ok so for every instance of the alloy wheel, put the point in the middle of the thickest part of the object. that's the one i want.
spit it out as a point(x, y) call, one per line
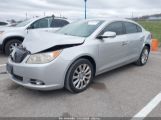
point(82, 76)
point(144, 56)
point(11, 47)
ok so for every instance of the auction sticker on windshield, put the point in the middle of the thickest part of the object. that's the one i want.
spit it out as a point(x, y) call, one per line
point(93, 22)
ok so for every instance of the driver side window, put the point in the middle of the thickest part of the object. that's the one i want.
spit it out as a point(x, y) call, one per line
point(116, 27)
point(42, 23)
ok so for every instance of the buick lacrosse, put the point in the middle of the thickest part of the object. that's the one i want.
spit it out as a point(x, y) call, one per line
point(78, 52)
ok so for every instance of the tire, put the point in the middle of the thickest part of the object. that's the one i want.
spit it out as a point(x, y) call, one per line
point(9, 45)
point(77, 81)
point(144, 55)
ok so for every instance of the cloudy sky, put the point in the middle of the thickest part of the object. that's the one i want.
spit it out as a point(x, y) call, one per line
point(74, 9)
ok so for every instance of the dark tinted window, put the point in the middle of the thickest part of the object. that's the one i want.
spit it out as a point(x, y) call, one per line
point(116, 27)
point(42, 23)
point(3, 23)
point(59, 23)
point(130, 27)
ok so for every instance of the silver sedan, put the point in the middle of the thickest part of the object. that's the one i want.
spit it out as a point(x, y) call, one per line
point(78, 52)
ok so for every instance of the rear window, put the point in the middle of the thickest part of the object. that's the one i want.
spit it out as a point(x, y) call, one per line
point(59, 23)
point(132, 28)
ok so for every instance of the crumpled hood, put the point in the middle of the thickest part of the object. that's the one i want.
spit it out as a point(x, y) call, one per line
point(37, 41)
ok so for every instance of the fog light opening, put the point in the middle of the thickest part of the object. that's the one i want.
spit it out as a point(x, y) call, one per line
point(36, 82)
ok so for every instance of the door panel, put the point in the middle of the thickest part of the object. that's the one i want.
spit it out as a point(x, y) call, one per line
point(135, 44)
point(113, 52)
point(136, 39)
point(52, 29)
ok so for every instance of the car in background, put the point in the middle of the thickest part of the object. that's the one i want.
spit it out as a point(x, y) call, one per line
point(14, 35)
point(74, 54)
point(2, 24)
point(7, 24)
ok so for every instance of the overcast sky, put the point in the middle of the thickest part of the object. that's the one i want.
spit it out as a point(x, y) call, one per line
point(74, 9)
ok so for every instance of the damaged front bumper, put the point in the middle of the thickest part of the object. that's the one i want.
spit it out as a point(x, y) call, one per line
point(48, 76)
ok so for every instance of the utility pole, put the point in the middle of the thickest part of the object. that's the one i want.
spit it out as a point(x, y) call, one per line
point(85, 1)
point(132, 15)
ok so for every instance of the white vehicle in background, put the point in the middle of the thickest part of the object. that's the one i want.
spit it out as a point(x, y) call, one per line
point(3, 24)
point(14, 36)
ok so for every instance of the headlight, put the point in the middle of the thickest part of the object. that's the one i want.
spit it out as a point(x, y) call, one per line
point(43, 58)
point(1, 32)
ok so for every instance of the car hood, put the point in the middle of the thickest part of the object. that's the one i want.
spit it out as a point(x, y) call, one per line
point(38, 41)
point(6, 29)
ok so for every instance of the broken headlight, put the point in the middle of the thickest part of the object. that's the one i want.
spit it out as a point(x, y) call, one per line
point(43, 58)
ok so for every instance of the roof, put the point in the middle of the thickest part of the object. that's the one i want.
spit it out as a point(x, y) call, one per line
point(111, 19)
point(37, 18)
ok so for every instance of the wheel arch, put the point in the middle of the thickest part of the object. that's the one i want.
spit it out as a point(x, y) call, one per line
point(148, 45)
point(88, 57)
point(10, 38)
point(91, 59)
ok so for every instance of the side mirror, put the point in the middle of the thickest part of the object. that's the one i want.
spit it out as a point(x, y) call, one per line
point(107, 35)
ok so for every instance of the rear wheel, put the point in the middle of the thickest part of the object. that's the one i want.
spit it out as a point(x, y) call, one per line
point(143, 57)
point(79, 76)
point(10, 45)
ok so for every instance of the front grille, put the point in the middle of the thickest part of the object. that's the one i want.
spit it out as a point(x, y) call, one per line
point(19, 54)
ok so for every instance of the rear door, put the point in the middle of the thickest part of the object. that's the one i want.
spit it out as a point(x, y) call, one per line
point(113, 51)
point(135, 38)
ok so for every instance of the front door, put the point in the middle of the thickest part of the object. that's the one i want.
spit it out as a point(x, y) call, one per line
point(113, 51)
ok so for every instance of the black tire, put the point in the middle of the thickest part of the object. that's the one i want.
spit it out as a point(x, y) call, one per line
point(139, 62)
point(69, 84)
point(8, 45)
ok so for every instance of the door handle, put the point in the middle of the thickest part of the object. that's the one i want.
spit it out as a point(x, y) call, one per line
point(124, 43)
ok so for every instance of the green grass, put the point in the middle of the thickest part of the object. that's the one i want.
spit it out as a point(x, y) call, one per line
point(153, 26)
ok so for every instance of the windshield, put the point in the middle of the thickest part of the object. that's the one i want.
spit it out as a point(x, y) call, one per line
point(24, 23)
point(80, 29)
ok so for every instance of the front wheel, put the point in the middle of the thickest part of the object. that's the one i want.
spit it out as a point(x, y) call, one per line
point(143, 57)
point(10, 45)
point(79, 76)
